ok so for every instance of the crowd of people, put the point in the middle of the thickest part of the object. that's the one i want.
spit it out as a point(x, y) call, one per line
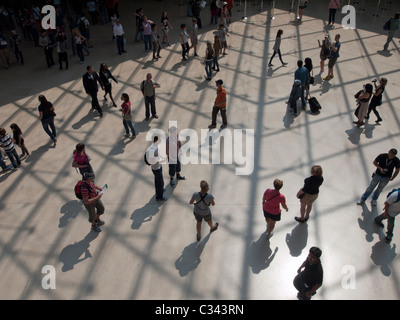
point(310, 273)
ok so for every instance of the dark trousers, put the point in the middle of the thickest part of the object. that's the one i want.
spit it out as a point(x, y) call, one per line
point(158, 183)
point(214, 116)
point(95, 102)
point(174, 168)
point(49, 123)
point(19, 56)
point(372, 107)
point(63, 56)
point(301, 287)
point(185, 49)
point(273, 55)
point(390, 224)
point(49, 56)
point(150, 103)
point(156, 49)
point(120, 44)
point(14, 158)
point(79, 51)
point(332, 14)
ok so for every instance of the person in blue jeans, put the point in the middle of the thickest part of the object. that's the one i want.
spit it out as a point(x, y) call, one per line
point(6, 142)
point(208, 60)
point(303, 75)
point(46, 116)
point(147, 33)
point(385, 163)
point(155, 159)
point(3, 165)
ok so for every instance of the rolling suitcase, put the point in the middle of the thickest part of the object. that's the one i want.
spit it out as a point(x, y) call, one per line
point(314, 105)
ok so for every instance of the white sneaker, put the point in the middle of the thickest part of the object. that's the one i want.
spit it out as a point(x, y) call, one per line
point(360, 202)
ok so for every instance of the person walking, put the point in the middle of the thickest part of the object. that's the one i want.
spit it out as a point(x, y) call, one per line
point(393, 25)
point(194, 36)
point(148, 88)
point(219, 106)
point(271, 202)
point(208, 60)
point(217, 51)
point(155, 160)
point(184, 36)
point(363, 99)
point(91, 198)
point(15, 43)
point(310, 275)
point(7, 144)
point(309, 193)
point(324, 52)
point(390, 211)
point(277, 49)
point(173, 152)
point(385, 163)
point(46, 116)
point(79, 40)
point(81, 160)
point(333, 56)
point(118, 33)
point(127, 115)
point(90, 79)
point(155, 38)
point(107, 78)
point(302, 5)
point(334, 5)
point(222, 33)
point(19, 140)
point(202, 201)
point(61, 40)
point(376, 99)
point(196, 10)
point(47, 45)
point(139, 24)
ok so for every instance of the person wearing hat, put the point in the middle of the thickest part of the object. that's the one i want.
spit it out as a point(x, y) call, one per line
point(219, 105)
point(310, 275)
point(91, 199)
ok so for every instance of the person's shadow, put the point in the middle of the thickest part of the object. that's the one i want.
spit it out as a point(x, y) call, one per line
point(190, 257)
point(120, 146)
point(260, 254)
point(90, 116)
point(144, 214)
point(367, 223)
point(354, 135)
point(382, 255)
point(77, 252)
point(297, 239)
point(70, 211)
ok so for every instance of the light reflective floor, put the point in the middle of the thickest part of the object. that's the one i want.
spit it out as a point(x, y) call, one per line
point(148, 250)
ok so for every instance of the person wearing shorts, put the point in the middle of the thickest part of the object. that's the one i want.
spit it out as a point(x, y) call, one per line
point(272, 200)
point(202, 201)
point(309, 193)
point(333, 56)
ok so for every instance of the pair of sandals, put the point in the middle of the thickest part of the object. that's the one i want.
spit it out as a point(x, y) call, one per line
point(198, 236)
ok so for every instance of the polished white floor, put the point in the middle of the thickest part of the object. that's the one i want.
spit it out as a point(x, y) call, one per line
point(148, 250)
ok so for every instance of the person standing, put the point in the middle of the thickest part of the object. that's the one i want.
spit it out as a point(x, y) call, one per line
point(184, 41)
point(196, 9)
point(148, 88)
point(47, 45)
point(334, 5)
point(46, 116)
point(219, 106)
point(208, 60)
point(81, 159)
point(19, 140)
point(127, 115)
point(303, 75)
point(118, 33)
point(90, 79)
point(107, 78)
point(91, 198)
point(4, 54)
point(7, 144)
point(392, 27)
point(363, 100)
point(173, 152)
point(222, 33)
point(385, 163)
point(390, 211)
point(147, 33)
point(194, 36)
point(166, 27)
point(376, 99)
point(139, 24)
point(277, 49)
point(272, 200)
point(91, 6)
point(324, 53)
point(214, 12)
point(15, 43)
point(309, 193)
point(201, 209)
point(61, 40)
point(155, 159)
point(155, 37)
point(302, 5)
point(79, 40)
point(333, 56)
point(217, 50)
point(310, 275)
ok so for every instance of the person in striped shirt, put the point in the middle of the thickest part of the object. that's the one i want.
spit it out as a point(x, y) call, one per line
point(8, 145)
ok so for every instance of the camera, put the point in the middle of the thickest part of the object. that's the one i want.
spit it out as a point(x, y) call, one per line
point(374, 80)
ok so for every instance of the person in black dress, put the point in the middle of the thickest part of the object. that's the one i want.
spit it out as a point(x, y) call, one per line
point(107, 78)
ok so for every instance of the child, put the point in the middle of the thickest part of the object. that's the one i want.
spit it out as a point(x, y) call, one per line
point(156, 43)
point(18, 140)
point(166, 26)
point(222, 33)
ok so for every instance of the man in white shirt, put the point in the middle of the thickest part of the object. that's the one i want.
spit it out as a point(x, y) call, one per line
point(118, 32)
point(155, 159)
point(390, 211)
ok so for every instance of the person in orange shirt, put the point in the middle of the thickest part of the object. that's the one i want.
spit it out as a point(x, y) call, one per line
point(219, 105)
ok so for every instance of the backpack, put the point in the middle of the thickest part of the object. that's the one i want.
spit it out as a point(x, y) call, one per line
point(82, 25)
point(202, 199)
point(77, 189)
point(386, 26)
point(398, 194)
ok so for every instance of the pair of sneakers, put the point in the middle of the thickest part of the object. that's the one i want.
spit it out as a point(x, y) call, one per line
point(362, 201)
point(96, 226)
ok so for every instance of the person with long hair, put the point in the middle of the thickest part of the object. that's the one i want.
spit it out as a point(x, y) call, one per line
point(166, 27)
point(46, 116)
point(208, 60)
point(309, 193)
point(277, 49)
point(127, 115)
point(18, 140)
point(376, 99)
point(81, 159)
point(363, 100)
point(107, 78)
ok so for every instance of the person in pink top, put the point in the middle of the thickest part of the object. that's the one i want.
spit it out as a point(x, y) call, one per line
point(272, 200)
point(334, 5)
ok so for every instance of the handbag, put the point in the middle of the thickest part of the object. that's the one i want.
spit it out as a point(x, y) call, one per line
point(128, 116)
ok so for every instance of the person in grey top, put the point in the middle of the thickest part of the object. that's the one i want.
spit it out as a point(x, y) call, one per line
point(202, 208)
point(277, 49)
